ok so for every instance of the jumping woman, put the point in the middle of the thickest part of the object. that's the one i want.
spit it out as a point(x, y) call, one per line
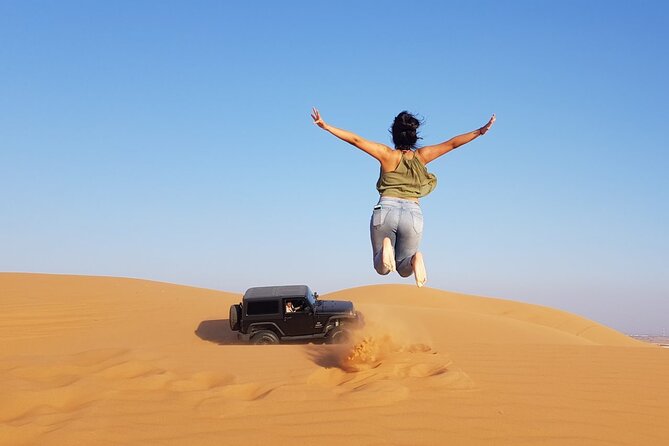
point(396, 227)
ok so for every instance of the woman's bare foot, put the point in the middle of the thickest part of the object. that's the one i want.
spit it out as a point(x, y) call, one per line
point(419, 269)
point(388, 255)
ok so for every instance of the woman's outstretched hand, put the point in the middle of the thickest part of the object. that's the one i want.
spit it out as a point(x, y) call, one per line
point(316, 116)
point(486, 127)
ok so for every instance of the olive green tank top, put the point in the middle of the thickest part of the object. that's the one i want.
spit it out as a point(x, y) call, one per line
point(409, 180)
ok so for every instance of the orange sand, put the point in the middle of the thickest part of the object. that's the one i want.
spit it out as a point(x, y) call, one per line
point(110, 361)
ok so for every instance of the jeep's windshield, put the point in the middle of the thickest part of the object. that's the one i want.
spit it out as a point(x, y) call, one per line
point(311, 298)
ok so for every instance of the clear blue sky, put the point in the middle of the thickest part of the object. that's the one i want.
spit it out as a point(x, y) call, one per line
point(172, 141)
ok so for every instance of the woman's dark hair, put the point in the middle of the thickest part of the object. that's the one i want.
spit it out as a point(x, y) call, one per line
point(405, 131)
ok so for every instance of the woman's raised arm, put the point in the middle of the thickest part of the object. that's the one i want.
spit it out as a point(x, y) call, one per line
point(379, 151)
point(430, 153)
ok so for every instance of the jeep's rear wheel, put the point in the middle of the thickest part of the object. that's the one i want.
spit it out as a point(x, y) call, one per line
point(235, 316)
point(339, 336)
point(264, 337)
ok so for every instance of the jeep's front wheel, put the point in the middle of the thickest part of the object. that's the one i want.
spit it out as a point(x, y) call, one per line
point(264, 337)
point(338, 336)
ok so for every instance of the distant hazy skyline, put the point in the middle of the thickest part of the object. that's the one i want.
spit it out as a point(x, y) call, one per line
point(172, 141)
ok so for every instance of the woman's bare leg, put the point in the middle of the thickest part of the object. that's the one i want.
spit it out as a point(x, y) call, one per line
point(419, 269)
point(388, 255)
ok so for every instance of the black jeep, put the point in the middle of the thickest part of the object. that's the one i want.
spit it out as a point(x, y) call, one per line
point(273, 314)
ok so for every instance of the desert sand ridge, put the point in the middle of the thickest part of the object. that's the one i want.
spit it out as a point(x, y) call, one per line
point(108, 361)
point(498, 309)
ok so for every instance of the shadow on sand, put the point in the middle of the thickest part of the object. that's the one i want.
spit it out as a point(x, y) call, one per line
point(217, 331)
point(329, 356)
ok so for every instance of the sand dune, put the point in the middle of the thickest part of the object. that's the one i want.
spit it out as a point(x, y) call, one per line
point(108, 361)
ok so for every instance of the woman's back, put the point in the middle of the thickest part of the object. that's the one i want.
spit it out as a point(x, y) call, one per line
point(410, 179)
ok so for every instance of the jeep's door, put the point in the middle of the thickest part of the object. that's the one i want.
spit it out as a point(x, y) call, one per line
point(298, 317)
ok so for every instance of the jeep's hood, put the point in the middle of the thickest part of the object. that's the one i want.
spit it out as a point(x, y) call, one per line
point(334, 306)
